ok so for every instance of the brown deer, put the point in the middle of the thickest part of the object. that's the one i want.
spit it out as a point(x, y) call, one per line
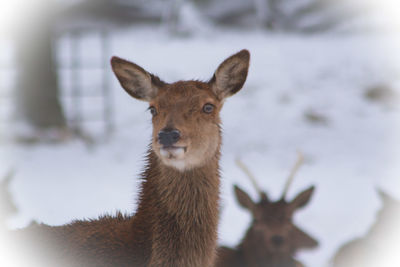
point(177, 216)
point(380, 246)
point(272, 238)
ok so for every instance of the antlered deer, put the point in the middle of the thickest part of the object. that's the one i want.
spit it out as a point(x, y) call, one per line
point(272, 238)
point(177, 216)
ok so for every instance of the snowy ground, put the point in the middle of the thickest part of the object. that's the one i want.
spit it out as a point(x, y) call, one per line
point(349, 153)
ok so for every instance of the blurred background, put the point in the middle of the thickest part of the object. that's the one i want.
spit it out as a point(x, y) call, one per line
point(324, 80)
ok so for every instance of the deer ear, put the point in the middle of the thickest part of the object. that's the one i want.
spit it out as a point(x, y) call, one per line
point(231, 75)
point(9, 176)
point(243, 198)
point(135, 80)
point(383, 195)
point(301, 239)
point(302, 199)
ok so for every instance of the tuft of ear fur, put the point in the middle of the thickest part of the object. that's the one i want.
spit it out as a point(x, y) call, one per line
point(302, 198)
point(231, 74)
point(135, 80)
point(243, 198)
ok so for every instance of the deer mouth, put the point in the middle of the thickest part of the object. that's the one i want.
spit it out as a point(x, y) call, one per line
point(173, 152)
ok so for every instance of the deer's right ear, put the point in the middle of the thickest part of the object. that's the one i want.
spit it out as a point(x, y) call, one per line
point(302, 240)
point(135, 80)
point(383, 195)
point(302, 199)
point(243, 198)
point(231, 75)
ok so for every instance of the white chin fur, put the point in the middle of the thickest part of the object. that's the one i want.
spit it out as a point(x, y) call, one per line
point(173, 157)
point(177, 164)
point(172, 153)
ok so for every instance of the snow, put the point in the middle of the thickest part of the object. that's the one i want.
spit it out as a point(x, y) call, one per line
point(347, 157)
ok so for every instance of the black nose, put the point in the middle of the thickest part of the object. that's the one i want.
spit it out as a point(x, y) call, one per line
point(277, 240)
point(168, 137)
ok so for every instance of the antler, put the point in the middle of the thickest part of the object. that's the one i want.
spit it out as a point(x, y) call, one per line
point(251, 177)
point(295, 168)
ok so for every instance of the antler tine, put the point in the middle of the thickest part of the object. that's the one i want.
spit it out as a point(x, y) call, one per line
point(295, 168)
point(250, 176)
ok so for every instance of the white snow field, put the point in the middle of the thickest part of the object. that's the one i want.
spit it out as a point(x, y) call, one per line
point(349, 141)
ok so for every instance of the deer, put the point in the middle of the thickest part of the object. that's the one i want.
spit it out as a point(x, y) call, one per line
point(379, 247)
point(7, 205)
point(272, 238)
point(176, 220)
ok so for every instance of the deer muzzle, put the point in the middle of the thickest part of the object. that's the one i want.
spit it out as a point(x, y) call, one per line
point(168, 137)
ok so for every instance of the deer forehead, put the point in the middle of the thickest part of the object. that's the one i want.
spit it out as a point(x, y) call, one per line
point(273, 213)
point(189, 94)
point(274, 227)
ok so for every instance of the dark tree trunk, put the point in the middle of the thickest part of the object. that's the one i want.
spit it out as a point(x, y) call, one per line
point(37, 86)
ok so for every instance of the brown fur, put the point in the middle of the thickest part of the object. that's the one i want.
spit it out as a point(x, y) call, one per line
point(270, 219)
point(177, 216)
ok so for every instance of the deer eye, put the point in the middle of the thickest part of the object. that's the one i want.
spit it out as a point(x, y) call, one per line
point(153, 111)
point(208, 108)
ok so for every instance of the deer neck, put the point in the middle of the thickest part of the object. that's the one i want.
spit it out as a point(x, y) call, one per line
point(257, 255)
point(182, 211)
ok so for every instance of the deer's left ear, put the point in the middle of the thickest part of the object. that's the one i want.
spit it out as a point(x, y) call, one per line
point(7, 180)
point(135, 80)
point(244, 199)
point(231, 75)
point(302, 199)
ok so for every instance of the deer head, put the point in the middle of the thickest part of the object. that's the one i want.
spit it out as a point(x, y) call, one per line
point(186, 131)
point(272, 235)
point(272, 229)
point(379, 247)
